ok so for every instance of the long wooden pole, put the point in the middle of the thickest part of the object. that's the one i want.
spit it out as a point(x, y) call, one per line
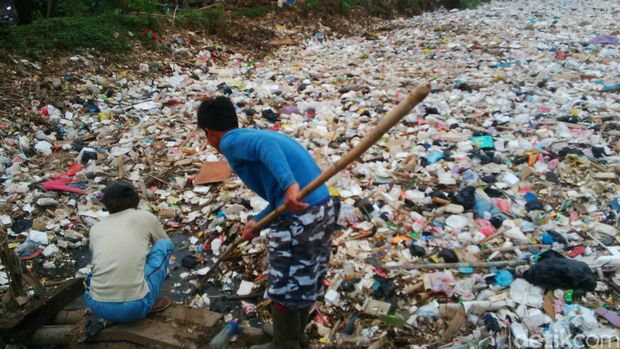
point(497, 264)
point(389, 120)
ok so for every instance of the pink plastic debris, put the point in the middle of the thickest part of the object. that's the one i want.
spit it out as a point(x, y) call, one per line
point(486, 228)
point(61, 184)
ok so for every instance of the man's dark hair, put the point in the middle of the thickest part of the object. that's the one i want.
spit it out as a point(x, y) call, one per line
point(217, 114)
point(119, 196)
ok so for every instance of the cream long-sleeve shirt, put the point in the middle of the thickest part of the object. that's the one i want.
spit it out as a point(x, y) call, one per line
point(119, 245)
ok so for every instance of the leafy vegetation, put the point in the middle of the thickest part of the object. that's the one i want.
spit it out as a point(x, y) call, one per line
point(471, 3)
point(251, 12)
point(210, 20)
point(105, 24)
point(109, 32)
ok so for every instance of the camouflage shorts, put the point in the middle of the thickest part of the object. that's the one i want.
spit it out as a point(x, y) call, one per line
point(299, 249)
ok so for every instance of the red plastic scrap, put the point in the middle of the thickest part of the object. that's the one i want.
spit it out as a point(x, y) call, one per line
point(486, 228)
point(172, 102)
point(275, 127)
point(576, 251)
point(73, 169)
point(36, 253)
point(61, 184)
point(261, 277)
point(380, 272)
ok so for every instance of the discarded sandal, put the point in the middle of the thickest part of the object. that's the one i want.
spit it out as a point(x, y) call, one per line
point(161, 304)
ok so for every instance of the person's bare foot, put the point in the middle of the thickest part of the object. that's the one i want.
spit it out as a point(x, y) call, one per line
point(161, 304)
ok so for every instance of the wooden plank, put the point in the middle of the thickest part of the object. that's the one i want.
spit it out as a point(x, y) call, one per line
point(111, 345)
point(176, 327)
point(51, 335)
point(17, 328)
point(198, 317)
point(152, 334)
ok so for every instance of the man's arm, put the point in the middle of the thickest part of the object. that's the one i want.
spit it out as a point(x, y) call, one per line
point(90, 245)
point(157, 230)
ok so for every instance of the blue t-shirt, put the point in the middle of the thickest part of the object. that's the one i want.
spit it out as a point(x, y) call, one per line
point(268, 163)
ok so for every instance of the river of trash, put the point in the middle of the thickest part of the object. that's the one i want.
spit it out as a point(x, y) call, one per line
point(487, 218)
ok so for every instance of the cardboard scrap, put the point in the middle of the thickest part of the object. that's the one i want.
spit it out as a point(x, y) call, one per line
point(457, 324)
point(213, 172)
point(375, 307)
point(548, 304)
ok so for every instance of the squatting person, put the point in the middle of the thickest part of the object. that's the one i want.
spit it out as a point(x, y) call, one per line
point(127, 273)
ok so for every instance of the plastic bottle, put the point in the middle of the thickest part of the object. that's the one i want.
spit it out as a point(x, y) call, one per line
point(558, 335)
point(222, 338)
point(521, 338)
point(216, 244)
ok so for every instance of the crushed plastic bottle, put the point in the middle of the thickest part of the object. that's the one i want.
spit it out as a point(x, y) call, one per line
point(224, 336)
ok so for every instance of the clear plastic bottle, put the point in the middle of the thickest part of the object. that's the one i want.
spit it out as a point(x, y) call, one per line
point(221, 340)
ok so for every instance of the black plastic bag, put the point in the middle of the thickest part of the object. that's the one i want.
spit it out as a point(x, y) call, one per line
point(554, 271)
point(448, 256)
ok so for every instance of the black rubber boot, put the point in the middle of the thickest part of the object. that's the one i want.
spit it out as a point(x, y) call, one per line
point(286, 334)
point(304, 318)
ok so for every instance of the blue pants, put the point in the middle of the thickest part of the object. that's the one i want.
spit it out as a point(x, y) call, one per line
point(155, 271)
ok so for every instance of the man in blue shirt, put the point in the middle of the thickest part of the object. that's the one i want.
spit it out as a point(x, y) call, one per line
point(275, 166)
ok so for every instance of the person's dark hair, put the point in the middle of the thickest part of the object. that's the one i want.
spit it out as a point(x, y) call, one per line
point(119, 196)
point(217, 114)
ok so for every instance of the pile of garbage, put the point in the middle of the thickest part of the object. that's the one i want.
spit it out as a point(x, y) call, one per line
point(489, 215)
